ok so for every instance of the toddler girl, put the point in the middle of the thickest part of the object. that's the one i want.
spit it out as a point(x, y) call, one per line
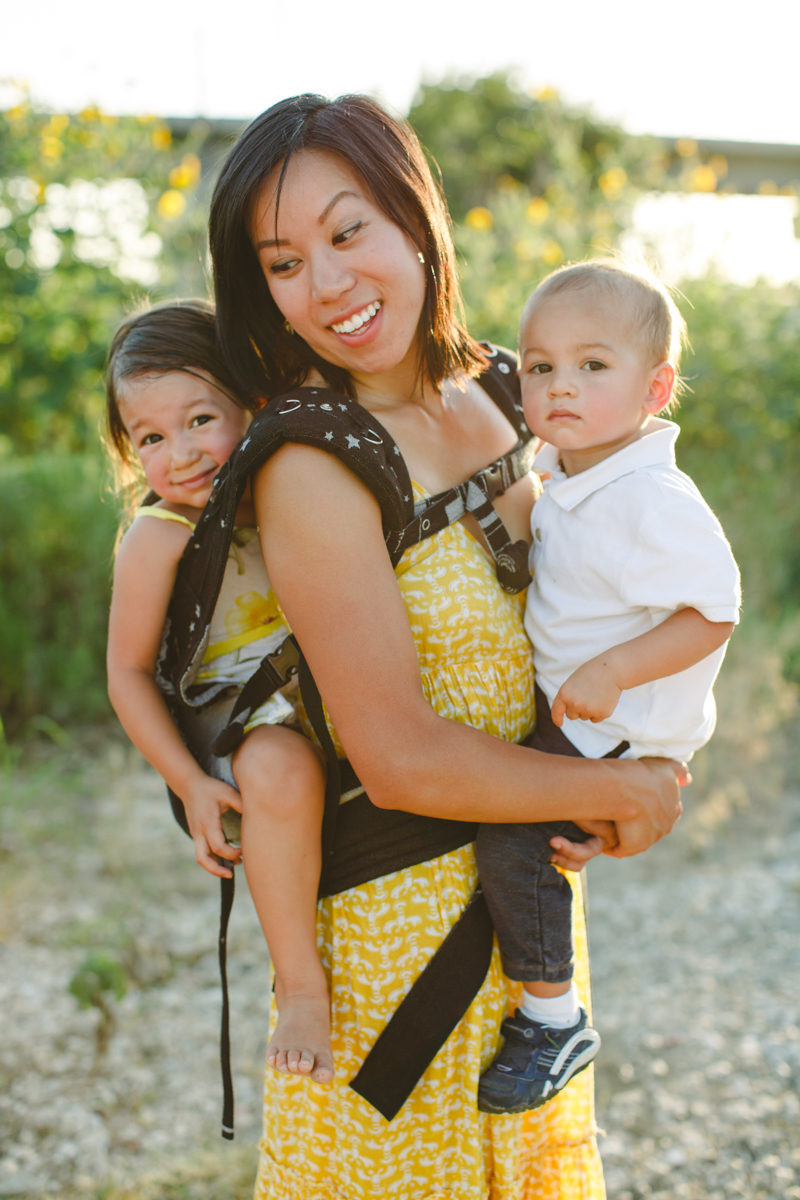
point(172, 411)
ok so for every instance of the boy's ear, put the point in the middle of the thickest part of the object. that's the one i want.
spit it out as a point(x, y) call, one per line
point(659, 394)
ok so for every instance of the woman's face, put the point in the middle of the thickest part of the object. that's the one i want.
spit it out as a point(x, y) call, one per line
point(346, 278)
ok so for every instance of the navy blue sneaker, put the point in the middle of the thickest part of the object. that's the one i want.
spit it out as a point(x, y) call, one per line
point(535, 1062)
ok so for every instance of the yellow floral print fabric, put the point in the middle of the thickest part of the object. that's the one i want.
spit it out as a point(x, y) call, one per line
point(327, 1143)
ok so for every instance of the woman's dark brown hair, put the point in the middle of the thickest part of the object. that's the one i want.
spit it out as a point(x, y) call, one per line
point(265, 359)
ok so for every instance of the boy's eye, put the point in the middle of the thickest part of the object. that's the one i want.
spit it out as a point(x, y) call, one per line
point(594, 364)
point(346, 234)
point(151, 439)
point(541, 368)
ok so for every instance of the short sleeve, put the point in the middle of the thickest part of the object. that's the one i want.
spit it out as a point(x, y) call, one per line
point(682, 560)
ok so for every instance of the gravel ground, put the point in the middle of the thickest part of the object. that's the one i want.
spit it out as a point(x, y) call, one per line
point(695, 959)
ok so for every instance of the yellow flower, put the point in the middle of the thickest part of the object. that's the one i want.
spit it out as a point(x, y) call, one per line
point(612, 182)
point(703, 179)
point(552, 253)
point(546, 93)
point(52, 149)
point(686, 147)
point(252, 612)
point(719, 165)
point(507, 183)
point(57, 124)
point(537, 210)
point(162, 138)
point(171, 205)
point(187, 174)
point(90, 113)
point(768, 187)
point(479, 218)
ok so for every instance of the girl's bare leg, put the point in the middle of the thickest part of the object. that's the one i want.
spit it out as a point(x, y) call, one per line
point(282, 783)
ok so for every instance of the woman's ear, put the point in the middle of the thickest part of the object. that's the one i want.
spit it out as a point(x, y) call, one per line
point(659, 393)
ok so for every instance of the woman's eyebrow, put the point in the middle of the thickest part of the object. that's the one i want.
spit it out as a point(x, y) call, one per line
point(327, 209)
point(320, 219)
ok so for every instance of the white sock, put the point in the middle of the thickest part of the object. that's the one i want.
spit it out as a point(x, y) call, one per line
point(559, 1012)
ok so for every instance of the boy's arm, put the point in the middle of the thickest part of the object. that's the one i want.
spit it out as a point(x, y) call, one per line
point(592, 692)
point(144, 575)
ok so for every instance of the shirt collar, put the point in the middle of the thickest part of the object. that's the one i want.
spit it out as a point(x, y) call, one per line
point(656, 448)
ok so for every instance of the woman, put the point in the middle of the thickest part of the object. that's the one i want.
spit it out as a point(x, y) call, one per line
point(334, 267)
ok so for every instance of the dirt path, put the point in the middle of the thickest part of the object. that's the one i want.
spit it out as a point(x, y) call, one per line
point(696, 995)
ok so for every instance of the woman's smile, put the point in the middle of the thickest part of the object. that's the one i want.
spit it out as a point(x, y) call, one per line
point(347, 279)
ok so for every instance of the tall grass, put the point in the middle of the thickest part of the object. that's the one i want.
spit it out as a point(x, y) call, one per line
point(57, 533)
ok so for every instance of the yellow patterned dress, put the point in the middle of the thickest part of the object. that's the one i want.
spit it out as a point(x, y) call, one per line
point(327, 1143)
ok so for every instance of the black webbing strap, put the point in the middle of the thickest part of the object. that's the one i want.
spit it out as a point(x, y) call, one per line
point(274, 671)
point(312, 702)
point(227, 891)
point(428, 1013)
point(439, 997)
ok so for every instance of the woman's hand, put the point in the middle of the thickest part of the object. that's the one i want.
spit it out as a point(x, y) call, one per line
point(653, 784)
point(205, 800)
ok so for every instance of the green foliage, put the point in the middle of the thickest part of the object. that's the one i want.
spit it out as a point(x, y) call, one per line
point(740, 425)
point(531, 183)
point(93, 211)
point(56, 540)
point(97, 979)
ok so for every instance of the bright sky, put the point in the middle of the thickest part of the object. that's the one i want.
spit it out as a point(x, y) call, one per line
point(696, 68)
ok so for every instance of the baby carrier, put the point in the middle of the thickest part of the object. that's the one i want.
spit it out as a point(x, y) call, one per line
point(359, 841)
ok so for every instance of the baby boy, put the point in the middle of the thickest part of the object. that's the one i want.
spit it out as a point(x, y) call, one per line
point(635, 593)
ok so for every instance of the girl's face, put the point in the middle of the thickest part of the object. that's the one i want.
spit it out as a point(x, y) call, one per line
point(183, 429)
point(347, 279)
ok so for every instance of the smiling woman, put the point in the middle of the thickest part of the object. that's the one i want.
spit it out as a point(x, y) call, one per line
point(334, 268)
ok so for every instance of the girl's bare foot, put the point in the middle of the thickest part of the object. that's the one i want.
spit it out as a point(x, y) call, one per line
point(301, 1043)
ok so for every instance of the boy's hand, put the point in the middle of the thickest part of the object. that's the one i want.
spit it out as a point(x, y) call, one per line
point(205, 801)
point(590, 694)
point(573, 856)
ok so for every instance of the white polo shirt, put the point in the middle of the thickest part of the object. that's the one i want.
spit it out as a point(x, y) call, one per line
point(616, 550)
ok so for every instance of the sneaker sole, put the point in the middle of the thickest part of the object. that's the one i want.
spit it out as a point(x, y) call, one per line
point(582, 1061)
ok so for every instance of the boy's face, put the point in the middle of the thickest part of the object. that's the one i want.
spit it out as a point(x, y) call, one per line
point(587, 387)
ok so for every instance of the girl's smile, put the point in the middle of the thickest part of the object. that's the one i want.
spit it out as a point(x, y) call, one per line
point(183, 428)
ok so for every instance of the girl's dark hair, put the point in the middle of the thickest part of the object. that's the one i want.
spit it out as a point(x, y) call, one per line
point(180, 335)
point(264, 357)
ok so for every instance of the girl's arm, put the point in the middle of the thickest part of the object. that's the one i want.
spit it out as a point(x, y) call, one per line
point(592, 692)
point(341, 598)
point(144, 576)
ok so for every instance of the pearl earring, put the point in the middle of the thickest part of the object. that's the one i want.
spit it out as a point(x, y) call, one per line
point(421, 257)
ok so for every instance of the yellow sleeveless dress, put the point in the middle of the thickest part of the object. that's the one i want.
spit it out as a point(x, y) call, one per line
point(327, 1143)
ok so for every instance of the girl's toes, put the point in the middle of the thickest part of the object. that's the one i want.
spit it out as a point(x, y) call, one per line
point(323, 1070)
point(293, 1061)
point(306, 1063)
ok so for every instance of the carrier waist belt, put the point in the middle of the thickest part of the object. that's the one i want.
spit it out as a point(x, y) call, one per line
point(369, 843)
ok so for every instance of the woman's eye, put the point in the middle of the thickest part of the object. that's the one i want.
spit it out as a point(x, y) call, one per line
point(594, 364)
point(541, 369)
point(346, 234)
point(282, 268)
point(151, 439)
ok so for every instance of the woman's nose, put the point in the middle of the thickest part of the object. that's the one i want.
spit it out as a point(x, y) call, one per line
point(331, 278)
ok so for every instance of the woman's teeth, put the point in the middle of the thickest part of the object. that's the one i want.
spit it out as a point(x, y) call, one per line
point(358, 319)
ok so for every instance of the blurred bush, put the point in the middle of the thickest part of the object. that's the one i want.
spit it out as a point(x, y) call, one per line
point(56, 540)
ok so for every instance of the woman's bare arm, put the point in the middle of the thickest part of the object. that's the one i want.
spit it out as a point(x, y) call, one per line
point(144, 575)
point(341, 598)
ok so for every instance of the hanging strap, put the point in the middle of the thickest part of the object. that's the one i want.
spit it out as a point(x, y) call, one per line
point(227, 891)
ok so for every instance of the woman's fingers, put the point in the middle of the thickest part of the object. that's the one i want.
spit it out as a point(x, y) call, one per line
point(653, 786)
point(573, 856)
point(606, 830)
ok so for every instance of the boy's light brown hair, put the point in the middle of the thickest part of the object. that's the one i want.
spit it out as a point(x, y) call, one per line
point(655, 320)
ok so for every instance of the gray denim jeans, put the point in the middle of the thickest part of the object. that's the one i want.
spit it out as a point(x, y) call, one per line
point(529, 900)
